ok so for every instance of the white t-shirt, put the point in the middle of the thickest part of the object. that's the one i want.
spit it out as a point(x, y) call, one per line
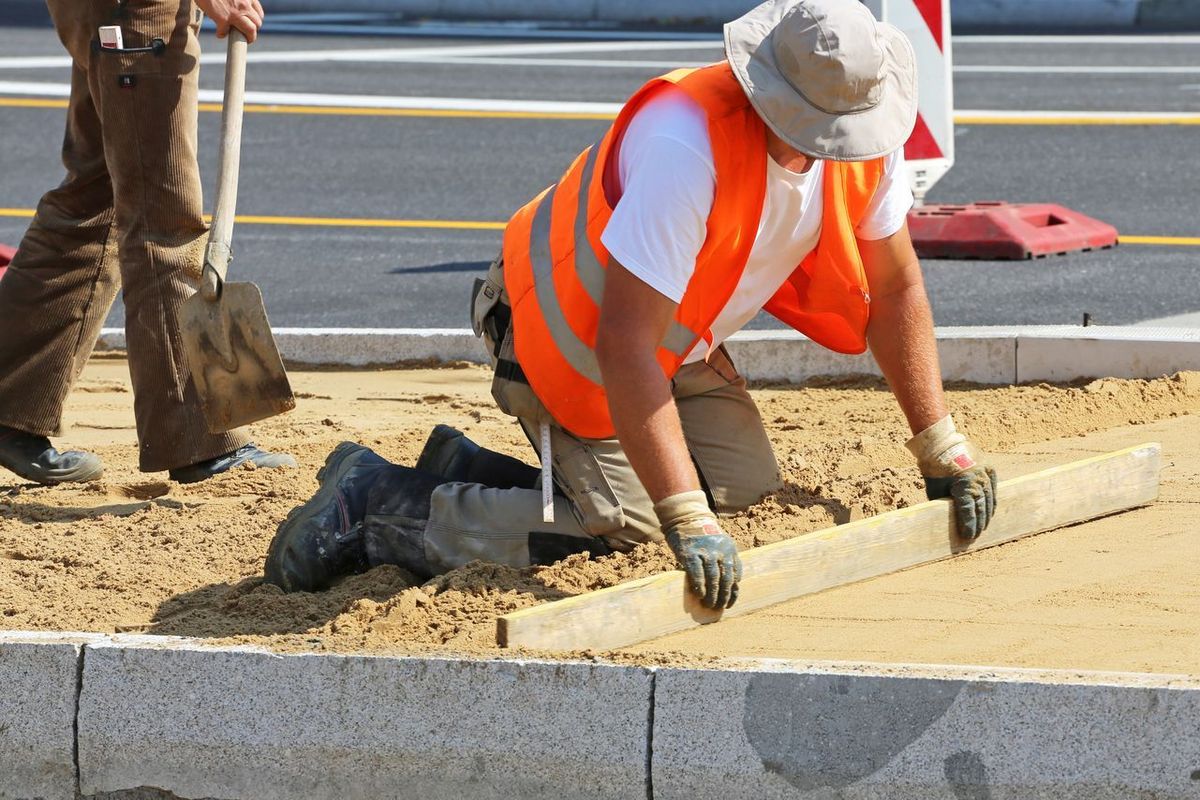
point(667, 183)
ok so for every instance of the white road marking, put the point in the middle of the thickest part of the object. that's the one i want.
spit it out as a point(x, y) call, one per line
point(462, 51)
point(1069, 39)
point(330, 16)
point(594, 63)
point(40, 89)
point(328, 23)
point(482, 32)
point(1001, 69)
point(356, 100)
point(495, 56)
point(1067, 116)
point(400, 54)
point(35, 62)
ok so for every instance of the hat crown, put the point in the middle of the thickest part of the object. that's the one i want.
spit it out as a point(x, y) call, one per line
point(830, 52)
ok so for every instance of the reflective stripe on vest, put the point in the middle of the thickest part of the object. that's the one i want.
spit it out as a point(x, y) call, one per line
point(678, 339)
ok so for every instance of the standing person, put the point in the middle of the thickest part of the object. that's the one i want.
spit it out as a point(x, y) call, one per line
point(773, 179)
point(128, 215)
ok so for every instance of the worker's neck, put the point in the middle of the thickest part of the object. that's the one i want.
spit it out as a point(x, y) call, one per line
point(787, 156)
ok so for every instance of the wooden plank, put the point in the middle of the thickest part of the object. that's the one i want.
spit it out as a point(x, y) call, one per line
point(660, 604)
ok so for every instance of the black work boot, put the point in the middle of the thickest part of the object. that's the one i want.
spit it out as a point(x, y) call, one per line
point(397, 514)
point(35, 459)
point(248, 453)
point(449, 453)
point(322, 539)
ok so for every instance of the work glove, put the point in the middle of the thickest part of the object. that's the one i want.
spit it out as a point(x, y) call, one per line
point(951, 468)
point(703, 550)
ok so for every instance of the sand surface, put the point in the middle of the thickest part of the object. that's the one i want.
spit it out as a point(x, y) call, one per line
point(136, 552)
point(1118, 594)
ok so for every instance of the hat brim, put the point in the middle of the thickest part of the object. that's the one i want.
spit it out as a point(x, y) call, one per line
point(855, 136)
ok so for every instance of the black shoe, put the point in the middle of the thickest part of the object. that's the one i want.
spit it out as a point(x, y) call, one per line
point(34, 459)
point(450, 454)
point(322, 539)
point(246, 454)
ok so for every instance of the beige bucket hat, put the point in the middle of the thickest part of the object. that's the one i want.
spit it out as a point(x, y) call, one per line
point(826, 77)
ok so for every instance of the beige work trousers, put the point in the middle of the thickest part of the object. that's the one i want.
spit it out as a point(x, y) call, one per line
point(597, 491)
point(128, 214)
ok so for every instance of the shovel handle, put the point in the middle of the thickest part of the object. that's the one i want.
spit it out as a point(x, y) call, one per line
point(220, 235)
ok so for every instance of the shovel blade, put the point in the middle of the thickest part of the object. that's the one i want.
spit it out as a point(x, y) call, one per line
point(233, 359)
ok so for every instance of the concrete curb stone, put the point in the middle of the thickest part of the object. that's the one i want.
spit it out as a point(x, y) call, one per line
point(39, 673)
point(786, 356)
point(1045, 356)
point(246, 723)
point(998, 355)
point(813, 734)
point(161, 718)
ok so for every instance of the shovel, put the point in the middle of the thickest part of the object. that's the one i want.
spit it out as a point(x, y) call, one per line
point(227, 340)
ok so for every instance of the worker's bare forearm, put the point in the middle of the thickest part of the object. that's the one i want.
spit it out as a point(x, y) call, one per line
point(901, 338)
point(633, 320)
point(647, 423)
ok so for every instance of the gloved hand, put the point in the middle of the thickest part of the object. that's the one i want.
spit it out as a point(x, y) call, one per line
point(951, 468)
point(704, 551)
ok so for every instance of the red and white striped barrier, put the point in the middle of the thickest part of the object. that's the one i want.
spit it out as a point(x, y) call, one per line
point(930, 150)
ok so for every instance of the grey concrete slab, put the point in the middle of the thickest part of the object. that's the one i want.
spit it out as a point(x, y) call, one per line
point(240, 723)
point(951, 734)
point(1092, 352)
point(39, 676)
point(788, 356)
point(1191, 320)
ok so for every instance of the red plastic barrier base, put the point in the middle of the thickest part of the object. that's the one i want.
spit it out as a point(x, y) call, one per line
point(6, 256)
point(1005, 231)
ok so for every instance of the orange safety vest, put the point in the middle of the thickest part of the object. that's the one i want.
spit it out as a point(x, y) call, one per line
point(554, 261)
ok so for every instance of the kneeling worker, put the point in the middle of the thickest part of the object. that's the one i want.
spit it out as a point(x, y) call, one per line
point(771, 180)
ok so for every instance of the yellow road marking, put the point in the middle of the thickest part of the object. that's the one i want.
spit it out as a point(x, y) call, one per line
point(352, 111)
point(31, 102)
point(1177, 241)
point(347, 222)
point(333, 222)
point(346, 111)
point(481, 225)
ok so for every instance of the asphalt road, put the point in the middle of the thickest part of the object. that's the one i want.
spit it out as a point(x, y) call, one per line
point(1141, 178)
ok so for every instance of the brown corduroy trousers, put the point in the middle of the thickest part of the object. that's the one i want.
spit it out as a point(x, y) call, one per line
point(127, 214)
